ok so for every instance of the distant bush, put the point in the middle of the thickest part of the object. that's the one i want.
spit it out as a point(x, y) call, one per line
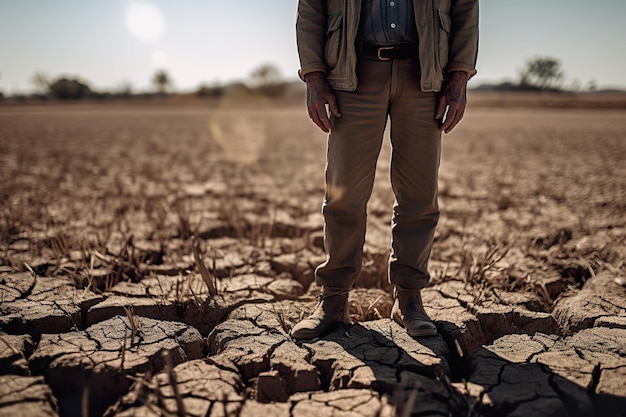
point(542, 73)
point(214, 90)
point(506, 86)
point(69, 89)
point(268, 80)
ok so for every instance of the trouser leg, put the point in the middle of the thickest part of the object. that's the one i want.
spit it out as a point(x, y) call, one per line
point(353, 147)
point(416, 149)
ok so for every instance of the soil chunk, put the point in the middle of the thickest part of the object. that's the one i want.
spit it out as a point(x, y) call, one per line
point(14, 349)
point(26, 396)
point(96, 365)
point(601, 302)
point(545, 375)
point(39, 305)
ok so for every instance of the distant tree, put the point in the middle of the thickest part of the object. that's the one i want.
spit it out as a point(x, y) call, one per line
point(542, 73)
point(592, 86)
point(161, 81)
point(69, 89)
point(268, 80)
point(42, 82)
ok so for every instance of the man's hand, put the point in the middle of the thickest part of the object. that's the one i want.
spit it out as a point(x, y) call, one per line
point(318, 94)
point(453, 97)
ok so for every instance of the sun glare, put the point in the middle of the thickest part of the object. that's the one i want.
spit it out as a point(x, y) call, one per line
point(145, 22)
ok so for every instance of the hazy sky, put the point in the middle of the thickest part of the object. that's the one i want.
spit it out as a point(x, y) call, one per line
point(112, 42)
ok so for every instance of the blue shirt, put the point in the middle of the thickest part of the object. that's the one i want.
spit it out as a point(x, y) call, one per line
point(387, 21)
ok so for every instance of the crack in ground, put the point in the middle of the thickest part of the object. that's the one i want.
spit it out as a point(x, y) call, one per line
point(579, 353)
point(508, 409)
point(216, 349)
point(621, 352)
point(293, 405)
point(221, 367)
point(329, 403)
point(273, 348)
point(595, 379)
point(609, 302)
point(268, 329)
point(568, 401)
point(310, 353)
point(324, 370)
point(264, 366)
point(84, 310)
point(461, 302)
point(28, 290)
point(377, 339)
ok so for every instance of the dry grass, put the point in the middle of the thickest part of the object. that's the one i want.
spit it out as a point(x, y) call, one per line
point(135, 325)
point(171, 377)
point(109, 192)
point(209, 278)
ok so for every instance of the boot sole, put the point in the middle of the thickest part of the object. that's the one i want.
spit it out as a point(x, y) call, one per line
point(414, 333)
point(311, 334)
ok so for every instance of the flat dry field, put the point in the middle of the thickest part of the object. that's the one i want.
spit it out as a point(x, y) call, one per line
point(129, 230)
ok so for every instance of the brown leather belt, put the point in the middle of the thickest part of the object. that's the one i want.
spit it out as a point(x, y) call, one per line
point(388, 52)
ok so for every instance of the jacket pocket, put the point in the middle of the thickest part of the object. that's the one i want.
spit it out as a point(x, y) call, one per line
point(333, 39)
point(445, 25)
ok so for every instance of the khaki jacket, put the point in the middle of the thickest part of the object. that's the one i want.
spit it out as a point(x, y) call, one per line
point(326, 33)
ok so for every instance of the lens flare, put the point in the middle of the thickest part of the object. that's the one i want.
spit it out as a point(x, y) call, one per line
point(145, 22)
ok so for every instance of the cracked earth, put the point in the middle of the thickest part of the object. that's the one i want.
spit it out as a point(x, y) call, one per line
point(107, 309)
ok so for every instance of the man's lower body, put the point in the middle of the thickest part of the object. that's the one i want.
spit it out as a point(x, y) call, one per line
point(386, 90)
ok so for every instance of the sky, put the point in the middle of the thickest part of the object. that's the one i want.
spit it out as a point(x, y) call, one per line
point(114, 43)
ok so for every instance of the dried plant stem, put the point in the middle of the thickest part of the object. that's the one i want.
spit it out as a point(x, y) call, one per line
point(135, 324)
point(209, 279)
point(169, 369)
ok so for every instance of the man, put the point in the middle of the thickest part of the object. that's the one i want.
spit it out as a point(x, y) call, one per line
point(367, 61)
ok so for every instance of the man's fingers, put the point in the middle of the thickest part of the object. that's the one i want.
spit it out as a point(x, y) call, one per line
point(323, 117)
point(441, 107)
point(450, 117)
point(319, 94)
point(332, 106)
point(455, 122)
point(316, 119)
point(446, 124)
point(455, 114)
point(325, 121)
point(317, 113)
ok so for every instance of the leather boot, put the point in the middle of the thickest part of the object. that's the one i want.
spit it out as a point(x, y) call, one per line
point(408, 312)
point(330, 310)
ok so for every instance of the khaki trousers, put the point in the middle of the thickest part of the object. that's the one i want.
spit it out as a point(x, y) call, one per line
point(386, 90)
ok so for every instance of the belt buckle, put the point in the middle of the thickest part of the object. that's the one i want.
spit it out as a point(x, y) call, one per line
point(384, 48)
